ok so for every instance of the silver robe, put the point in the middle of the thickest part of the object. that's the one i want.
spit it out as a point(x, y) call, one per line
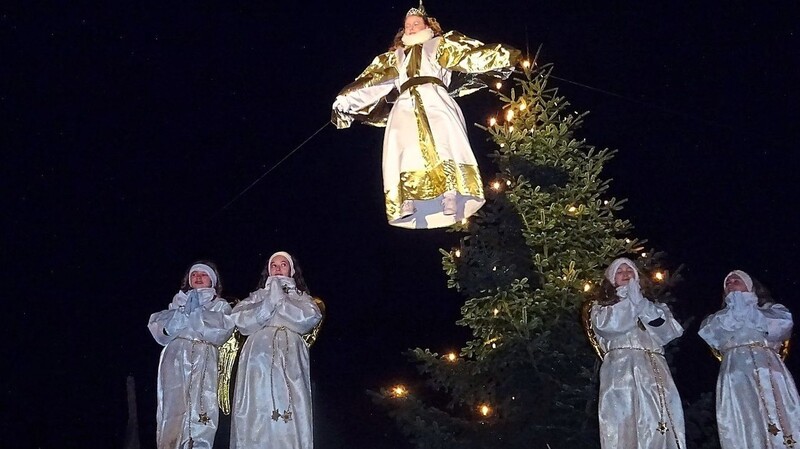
point(272, 396)
point(187, 370)
point(754, 388)
point(638, 399)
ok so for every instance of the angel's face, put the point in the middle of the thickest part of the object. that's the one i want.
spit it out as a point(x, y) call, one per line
point(623, 275)
point(414, 24)
point(280, 266)
point(199, 279)
point(734, 283)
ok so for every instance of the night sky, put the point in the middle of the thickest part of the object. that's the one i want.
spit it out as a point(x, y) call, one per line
point(127, 126)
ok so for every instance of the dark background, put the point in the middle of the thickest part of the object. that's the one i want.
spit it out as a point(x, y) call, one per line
point(127, 126)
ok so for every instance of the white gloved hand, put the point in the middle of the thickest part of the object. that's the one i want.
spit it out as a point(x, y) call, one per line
point(342, 104)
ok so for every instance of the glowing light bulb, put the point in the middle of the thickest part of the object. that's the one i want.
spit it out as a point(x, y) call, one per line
point(522, 106)
point(494, 346)
point(399, 391)
point(605, 202)
point(496, 311)
point(644, 254)
point(508, 182)
point(510, 115)
point(484, 409)
point(496, 185)
point(492, 121)
point(526, 63)
point(458, 253)
point(572, 209)
point(451, 357)
point(587, 286)
point(627, 240)
point(499, 85)
point(659, 276)
point(511, 129)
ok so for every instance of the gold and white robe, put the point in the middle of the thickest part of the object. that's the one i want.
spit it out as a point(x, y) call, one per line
point(639, 406)
point(272, 393)
point(426, 151)
point(187, 371)
point(757, 400)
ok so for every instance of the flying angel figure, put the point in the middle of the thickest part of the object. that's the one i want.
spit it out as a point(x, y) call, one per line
point(430, 176)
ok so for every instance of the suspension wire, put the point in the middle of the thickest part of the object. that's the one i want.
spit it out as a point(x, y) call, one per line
point(288, 155)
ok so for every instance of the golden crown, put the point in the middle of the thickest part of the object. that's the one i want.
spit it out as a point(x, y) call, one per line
point(417, 11)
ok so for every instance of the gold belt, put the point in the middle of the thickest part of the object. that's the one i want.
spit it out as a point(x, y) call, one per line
point(194, 340)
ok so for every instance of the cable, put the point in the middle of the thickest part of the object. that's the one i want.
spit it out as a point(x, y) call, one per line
point(274, 167)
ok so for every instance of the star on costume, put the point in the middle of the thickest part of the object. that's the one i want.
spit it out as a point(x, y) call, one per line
point(430, 176)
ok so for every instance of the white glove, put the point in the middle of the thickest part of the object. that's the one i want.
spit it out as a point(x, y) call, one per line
point(192, 302)
point(635, 292)
point(342, 104)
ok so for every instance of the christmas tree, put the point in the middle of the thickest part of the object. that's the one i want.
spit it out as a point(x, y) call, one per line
point(527, 263)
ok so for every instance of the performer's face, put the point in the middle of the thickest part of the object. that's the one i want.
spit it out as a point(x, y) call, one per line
point(199, 279)
point(624, 275)
point(280, 267)
point(414, 24)
point(735, 284)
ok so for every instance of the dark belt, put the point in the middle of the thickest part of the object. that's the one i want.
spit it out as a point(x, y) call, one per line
point(418, 80)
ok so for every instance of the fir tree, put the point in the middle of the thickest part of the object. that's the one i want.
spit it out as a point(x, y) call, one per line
point(526, 262)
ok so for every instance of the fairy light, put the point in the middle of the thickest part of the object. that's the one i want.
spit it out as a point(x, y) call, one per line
point(492, 121)
point(496, 185)
point(508, 182)
point(484, 409)
point(644, 254)
point(526, 64)
point(522, 106)
point(496, 311)
point(399, 391)
point(458, 253)
point(605, 203)
point(627, 240)
point(451, 357)
point(572, 209)
point(659, 276)
point(510, 115)
point(499, 85)
point(587, 286)
point(511, 129)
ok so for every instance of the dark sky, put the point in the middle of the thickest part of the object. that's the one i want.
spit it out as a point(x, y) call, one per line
point(127, 126)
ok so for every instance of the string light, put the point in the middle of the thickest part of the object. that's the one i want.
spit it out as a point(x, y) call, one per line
point(659, 276)
point(511, 129)
point(644, 254)
point(399, 391)
point(587, 286)
point(496, 311)
point(522, 105)
point(627, 240)
point(526, 64)
point(458, 253)
point(496, 185)
point(605, 203)
point(484, 409)
point(499, 85)
point(510, 115)
point(572, 209)
point(508, 182)
point(451, 357)
point(492, 121)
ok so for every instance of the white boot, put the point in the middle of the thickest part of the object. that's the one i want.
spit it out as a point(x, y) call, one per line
point(449, 203)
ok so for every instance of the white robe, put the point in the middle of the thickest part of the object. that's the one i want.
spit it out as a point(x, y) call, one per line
point(748, 337)
point(187, 370)
point(629, 406)
point(274, 370)
point(426, 151)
